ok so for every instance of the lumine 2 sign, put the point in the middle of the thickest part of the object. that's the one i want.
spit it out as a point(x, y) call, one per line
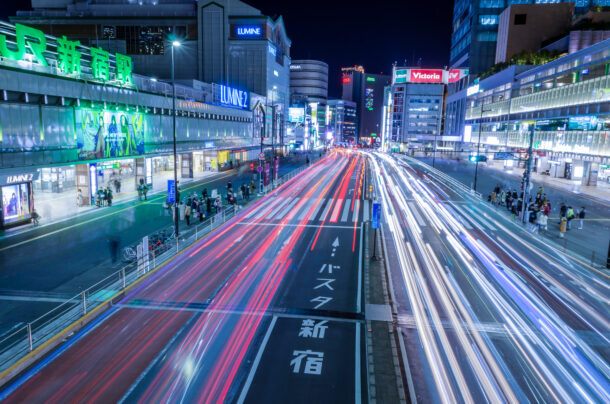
point(30, 45)
point(233, 97)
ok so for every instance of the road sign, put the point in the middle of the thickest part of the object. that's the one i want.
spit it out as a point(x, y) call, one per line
point(259, 169)
point(171, 191)
point(376, 215)
point(261, 155)
point(504, 156)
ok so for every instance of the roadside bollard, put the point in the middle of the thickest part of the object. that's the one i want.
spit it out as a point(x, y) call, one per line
point(31, 343)
point(84, 303)
point(123, 276)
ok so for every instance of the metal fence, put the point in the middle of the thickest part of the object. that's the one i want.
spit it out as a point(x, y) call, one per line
point(52, 324)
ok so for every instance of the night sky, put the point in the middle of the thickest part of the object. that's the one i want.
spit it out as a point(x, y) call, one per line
point(374, 33)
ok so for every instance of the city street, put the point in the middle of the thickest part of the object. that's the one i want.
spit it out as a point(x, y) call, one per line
point(44, 266)
point(487, 312)
point(268, 306)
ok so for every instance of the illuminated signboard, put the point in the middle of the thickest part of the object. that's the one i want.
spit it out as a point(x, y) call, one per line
point(426, 76)
point(296, 115)
point(249, 31)
point(232, 97)
point(273, 50)
point(400, 76)
point(347, 80)
point(472, 90)
point(371, 79)
point(22, 46)
point(456, 75)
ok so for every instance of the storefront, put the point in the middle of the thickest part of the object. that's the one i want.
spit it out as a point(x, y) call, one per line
point(16, 198)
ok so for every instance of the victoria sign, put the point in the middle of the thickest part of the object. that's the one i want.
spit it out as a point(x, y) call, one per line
point(426, 76)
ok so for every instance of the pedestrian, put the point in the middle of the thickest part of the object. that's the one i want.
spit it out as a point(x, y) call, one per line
point(201, 209)
point(581, 218)
point(79, 198)
point(218, 204)
point(182, 210)
point(542, 222)
point(540, 191)
point(105, 192)
point(187, 214)
point(116, 185)
point(252, 187)
point(140, 192)
point(494, 195)
point(242, 191)
point(145, 191)
point(229, 186)
point(570, 216)
point(247, 192)
point(563, 226)
point(208, 204)
point(109, 196)
point(204, 193)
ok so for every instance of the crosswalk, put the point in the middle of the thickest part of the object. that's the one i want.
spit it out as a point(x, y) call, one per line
point(328, 210)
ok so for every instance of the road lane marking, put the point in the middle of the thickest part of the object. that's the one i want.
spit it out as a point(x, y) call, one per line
point(416, 214)
point(325, 212)
point(287, 209)
point(365, 211)
point(315, 213)
point(345, 214)
point(278, 207)
point(305, 208)
point(359, 297)
point(335, 215)
point(357, 370)
point(257, 359)
point(356, 211)
point(326, 226)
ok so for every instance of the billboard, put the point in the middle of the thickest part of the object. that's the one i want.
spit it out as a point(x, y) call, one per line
point(296, 115)
point(426, 76)
point(456, 74)
point(104, 134)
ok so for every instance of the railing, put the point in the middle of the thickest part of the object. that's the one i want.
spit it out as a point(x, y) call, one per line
point(35, 334)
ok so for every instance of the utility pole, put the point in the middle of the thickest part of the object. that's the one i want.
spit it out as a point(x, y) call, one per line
point(176, 215)
point(440, 120)
point(528, 172)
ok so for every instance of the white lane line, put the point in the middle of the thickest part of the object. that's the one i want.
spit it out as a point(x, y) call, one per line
point(365, 211)
point(257, 360)
point(287, 209)
point(315, 212)
point(415, 211)
point(359, 289)
point(325, 212)
point(335, 215)
point(326, 226)
point(305, 208)
point(35, 299)
point(358, 387)
point(263, 211)
point(356, 209)
point(348, 203)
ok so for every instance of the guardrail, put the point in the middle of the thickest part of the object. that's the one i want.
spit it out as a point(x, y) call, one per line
point(36, 334)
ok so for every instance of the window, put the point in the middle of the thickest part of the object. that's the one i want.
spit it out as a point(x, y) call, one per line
point(487, 36)
point(491, 4)
point(520, 19)
point(488, 19)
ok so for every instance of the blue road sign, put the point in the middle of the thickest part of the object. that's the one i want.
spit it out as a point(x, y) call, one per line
point(259, 169)
point(504, 156)
point(171, 191)
point(376, 215)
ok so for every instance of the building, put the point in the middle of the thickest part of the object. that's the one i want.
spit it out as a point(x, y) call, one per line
point(308, 81)
point(225, 42)
point(366, 90)
point(76, 117)
point(475, 30)
point(563, 104)
point(524, 27)
point(414, 106)
point(342, 120)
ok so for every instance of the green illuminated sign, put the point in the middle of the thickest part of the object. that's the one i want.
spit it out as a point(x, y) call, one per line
point(370, 79)
point(30, 44)
point(373, 135)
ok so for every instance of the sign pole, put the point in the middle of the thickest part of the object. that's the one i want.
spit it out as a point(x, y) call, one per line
point(528, 172)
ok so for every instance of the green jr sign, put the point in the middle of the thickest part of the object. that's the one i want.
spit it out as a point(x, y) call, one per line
point(30, 45)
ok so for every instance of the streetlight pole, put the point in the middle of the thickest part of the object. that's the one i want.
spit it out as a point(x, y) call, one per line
point(476, 166)
point(438, 131)
point(176, 215)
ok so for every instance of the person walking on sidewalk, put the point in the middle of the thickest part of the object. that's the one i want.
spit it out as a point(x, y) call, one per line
point(581, 218)
point(542, 222)
point(187, 214)
point(201, 208)
point(79, 198)
point(208, 205)
point(182, 210)
point(140, 192)
point(109, 196)
point(145, 191)
point(252, 187)
point(563, 226)
point(570, 216)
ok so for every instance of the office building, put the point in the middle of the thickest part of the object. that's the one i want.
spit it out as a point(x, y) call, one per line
point(342, 121)
point(563, 104)
point(366, 90)
point(308, 81)
point(475, 30)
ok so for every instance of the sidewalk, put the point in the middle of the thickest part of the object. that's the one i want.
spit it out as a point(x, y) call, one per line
point(54, 208)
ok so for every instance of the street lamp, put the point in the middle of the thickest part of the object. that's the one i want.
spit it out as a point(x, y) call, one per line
point(476, 166)
point(175, 44)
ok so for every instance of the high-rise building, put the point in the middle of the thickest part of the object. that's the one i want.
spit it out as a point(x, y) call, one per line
point(308, 81)
point(366, 90)
point(475, 30)
point(342, 120)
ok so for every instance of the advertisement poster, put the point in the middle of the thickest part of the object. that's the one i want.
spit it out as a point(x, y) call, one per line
point(16, 203)
point(267, 172)
point(105, 134)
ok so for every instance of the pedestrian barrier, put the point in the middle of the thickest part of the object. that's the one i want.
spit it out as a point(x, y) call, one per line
point(44, 333)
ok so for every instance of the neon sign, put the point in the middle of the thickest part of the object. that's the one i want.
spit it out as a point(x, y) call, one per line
point(233, 97)
point(249, 31)
point(426, 76)
point(27, 44)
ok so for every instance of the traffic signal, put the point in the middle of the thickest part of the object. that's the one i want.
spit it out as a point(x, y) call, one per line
point(251, 166)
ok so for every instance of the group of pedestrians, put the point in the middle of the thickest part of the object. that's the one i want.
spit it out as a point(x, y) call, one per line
point(537, 209)
point(103, 197)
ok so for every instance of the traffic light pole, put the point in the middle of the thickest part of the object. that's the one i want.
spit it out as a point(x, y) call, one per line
point(528, 172)
point(476, 165)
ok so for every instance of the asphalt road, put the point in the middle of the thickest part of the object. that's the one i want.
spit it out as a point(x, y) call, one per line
point(44, 266)
point(488, 312)
point(267, 308)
